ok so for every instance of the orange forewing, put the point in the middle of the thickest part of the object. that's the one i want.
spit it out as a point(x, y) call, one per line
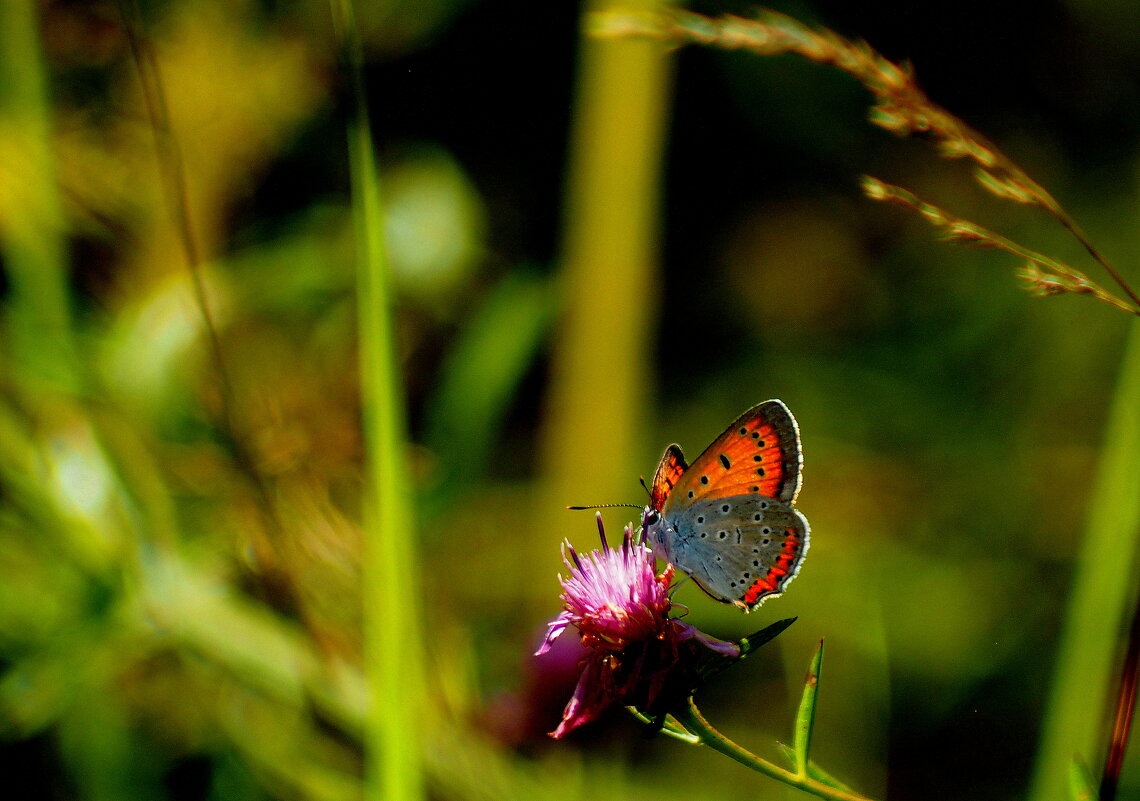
point(669, 471)
point(759, 454)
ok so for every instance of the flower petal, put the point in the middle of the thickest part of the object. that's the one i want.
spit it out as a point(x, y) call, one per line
point(554, 628)
point(687, 632)
point(589, 699)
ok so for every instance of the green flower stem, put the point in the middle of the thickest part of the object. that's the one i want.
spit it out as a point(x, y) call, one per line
point(695, 722)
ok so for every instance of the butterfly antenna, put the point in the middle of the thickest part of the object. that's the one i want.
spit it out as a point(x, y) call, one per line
point(605, 506)
point(645, 487)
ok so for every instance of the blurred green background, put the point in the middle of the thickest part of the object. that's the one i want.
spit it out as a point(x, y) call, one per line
point(596, 249)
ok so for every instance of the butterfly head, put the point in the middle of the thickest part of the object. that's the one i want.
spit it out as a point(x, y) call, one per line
point(654, 528)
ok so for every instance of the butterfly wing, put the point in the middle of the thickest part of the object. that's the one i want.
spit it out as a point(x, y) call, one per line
point(669, 471)
point(740, 550)
point(759, 454)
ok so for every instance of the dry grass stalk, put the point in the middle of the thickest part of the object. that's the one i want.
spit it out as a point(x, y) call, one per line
point(1044, 275)
point(901, 107)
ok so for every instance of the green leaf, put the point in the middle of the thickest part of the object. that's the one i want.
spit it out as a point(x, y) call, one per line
point(480, 378)
point(805, 718)
point(765, 635)
point(714, 664)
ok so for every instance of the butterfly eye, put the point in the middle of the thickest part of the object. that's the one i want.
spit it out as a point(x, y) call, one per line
point(651, 518)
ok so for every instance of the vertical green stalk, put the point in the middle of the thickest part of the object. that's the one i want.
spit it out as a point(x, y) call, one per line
point(392, 636)
point(39, 320)
point(599, 376)
point(1076, 714)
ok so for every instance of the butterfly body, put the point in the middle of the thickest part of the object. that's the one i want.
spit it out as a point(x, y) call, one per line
point(728, 520)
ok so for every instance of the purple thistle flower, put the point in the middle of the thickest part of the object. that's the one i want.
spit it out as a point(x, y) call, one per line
point(637, 654)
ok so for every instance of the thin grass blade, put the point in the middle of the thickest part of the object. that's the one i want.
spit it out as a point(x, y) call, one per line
point(393, 640)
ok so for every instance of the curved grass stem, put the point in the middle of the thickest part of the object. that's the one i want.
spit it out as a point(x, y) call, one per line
point(1078, 233)
point(176, 193)
point(1045, 275)
point(901, 106)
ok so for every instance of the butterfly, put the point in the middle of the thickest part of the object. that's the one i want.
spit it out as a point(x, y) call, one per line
point(728, 520)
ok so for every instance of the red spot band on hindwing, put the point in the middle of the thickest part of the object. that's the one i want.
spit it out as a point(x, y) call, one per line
point(771, 581)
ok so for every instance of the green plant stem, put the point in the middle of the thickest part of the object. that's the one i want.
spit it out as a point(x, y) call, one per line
point(393, 639)
point(1100, 596)
point(599, 378)
point(692, 719)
